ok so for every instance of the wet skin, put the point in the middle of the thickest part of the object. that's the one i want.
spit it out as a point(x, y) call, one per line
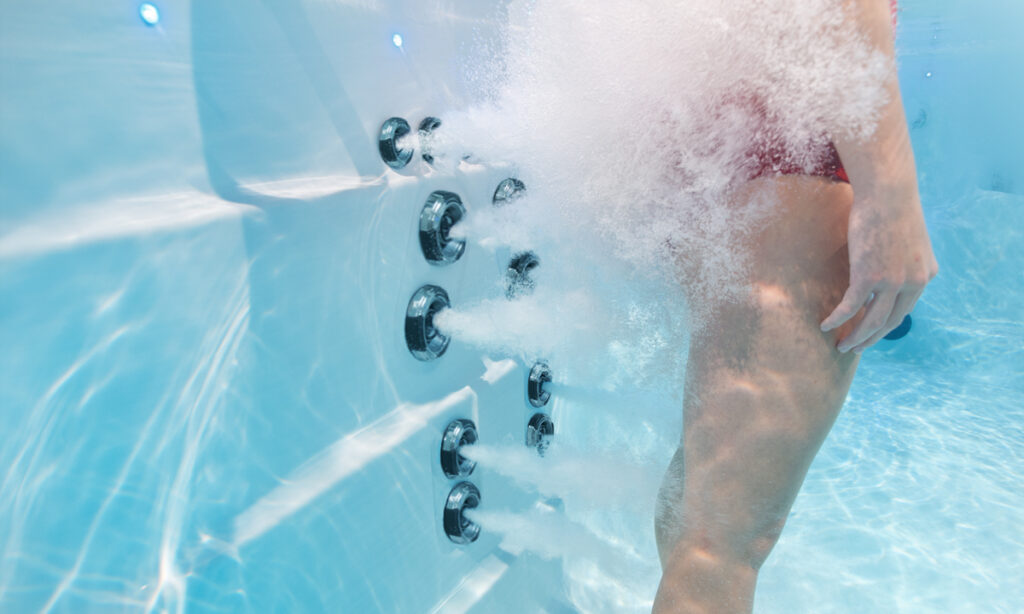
point(763, 388)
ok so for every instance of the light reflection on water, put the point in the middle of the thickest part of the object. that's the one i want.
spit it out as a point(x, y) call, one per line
point(105, 460)
point(130, 447)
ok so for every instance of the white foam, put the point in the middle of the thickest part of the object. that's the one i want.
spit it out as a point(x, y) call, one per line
point(549, 534)
point(586, 479)
point(632, 124)
point(633, 120)
point(595, 327)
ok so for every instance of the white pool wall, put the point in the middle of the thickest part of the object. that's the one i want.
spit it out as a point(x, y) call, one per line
point(205, 394)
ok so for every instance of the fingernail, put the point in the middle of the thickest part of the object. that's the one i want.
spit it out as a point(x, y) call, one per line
point(843, 348)
point(859, 351)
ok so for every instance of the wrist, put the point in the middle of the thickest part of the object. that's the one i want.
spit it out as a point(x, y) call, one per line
point(892, 195)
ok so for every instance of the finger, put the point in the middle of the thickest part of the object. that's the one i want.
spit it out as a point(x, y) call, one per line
point(853, 300)
point(904, 304)
point(875, 317)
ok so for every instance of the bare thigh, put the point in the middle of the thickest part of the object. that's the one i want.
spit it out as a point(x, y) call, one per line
point(764, 384)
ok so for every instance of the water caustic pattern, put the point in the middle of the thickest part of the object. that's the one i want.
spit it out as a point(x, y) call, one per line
point(915, 496)
point(206, 399)
point(646, 182)
point(108, 415)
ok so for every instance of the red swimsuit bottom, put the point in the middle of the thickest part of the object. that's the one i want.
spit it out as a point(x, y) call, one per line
point(771, 161)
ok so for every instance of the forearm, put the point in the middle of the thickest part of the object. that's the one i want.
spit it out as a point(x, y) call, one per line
point(881, 166)
point(891, 258)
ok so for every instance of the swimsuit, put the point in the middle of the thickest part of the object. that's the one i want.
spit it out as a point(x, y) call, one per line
point(772, 160)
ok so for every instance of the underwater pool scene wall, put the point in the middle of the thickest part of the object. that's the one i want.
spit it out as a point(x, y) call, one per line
point(222, 390)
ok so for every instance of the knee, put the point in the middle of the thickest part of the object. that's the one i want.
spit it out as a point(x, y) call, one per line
point(737, 535)
point(761, 542)
point(735, 546)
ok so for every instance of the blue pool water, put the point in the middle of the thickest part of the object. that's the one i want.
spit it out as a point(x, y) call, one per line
point(206, 400)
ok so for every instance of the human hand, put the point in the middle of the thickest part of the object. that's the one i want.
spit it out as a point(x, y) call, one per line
point(891, 261)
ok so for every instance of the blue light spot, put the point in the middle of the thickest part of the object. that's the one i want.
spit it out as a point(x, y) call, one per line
point(397, 40)
point(149, 14)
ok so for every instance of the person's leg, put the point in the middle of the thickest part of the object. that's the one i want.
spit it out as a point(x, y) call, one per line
point(763, 387)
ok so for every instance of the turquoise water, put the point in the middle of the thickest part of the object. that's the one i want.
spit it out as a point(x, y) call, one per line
point(205, 397)
point(914, 503)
